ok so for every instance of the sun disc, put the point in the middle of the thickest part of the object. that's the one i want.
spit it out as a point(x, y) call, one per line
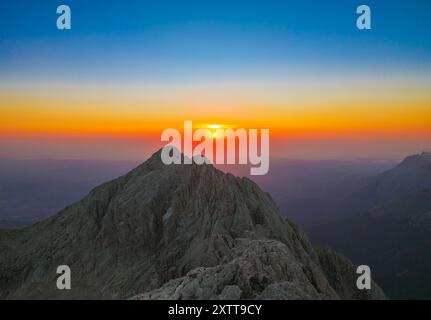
point(214, 126)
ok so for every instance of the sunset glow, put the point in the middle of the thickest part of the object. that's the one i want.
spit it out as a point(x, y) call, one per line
point(318, 99)
point(214, 126)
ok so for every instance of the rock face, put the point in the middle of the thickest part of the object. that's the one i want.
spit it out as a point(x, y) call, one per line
point(247, 271)
point(173, 232)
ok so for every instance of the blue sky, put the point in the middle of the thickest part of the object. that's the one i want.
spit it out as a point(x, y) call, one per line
point(209, 40)
point(135, 67)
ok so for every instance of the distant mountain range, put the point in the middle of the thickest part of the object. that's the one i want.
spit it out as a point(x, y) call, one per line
point(391, 228)
point(413, 174)
point(177, 231)
point(32, 190)
point(313, 192)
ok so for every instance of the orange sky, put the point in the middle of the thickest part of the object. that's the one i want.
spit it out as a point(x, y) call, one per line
point(339, 111)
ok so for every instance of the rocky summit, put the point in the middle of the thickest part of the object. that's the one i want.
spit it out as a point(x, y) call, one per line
point(173, 232)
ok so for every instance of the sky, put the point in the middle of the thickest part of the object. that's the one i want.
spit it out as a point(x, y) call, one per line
point(127, 70)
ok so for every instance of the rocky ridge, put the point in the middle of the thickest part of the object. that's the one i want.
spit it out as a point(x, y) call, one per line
point(173, 232)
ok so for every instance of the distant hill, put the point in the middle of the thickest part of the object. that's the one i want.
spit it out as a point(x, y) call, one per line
point(411, 175)
point(32, 190)
point(392, 232)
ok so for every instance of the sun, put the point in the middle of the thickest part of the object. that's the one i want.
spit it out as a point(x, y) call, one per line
point(214, 132)
point(214, 126)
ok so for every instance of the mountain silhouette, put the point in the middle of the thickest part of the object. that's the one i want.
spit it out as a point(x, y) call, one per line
point(392, 232)
point(177, 232)
point(411, 175)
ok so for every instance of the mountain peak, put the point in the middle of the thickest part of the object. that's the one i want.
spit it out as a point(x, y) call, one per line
point(423, 158)
point(168, 224)
point(154, 165)
point(156, 158)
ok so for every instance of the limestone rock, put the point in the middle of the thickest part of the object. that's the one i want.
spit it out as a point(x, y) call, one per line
point(170, 232)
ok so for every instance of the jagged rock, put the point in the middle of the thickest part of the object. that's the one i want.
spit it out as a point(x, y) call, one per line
point(252, 266)
point(176, 231)
point(230, 293)
point(285, 291)
point(342, 276)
